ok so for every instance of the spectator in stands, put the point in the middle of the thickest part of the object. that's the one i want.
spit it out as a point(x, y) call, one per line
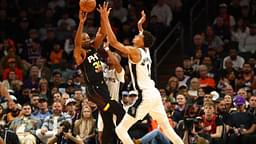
point(222, 30)
point(47, 44)
point(56, 96)
point(198, 44)
point(43, 88)
point(64, 98)
point(78, 95)
point(65, 69)
point(194, 88)
point(56, 79)
point(43, 111)
point(34, 101)
point(33, 80)
point(64, 135)
point(163, 12)
point(241, 127)
point(250, 41)
point(212, 123)
point(33, 52)
point(125, 100)
point(77, 79)
point(172, 86)
point(25, 126)
point(213, 41)
point(239, 32)
point(229, 102)
point(246, 78)
point(252, 105)
point(12, 67)
point(228, 20)
point(212, 71)
point(8, 82)
point(85, 127)
point(187, 66)
point(180, 109)
point(205, 80)
point(56, 55)
point(183, 79)
point(212, 53)
point(44, 70)
point(13, 110)
point(71, 109)
point(222, 112)
point(51, 123)
point(237, 61)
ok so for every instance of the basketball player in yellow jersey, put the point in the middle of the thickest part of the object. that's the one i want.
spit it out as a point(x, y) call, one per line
point(149, 100)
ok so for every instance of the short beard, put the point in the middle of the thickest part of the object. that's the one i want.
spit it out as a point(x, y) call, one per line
point(27, 115)
point(86, 46)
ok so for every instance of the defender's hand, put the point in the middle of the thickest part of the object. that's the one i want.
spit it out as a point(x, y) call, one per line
point(82, 16)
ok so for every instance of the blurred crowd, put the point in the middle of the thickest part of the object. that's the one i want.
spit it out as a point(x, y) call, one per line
point(210, 98)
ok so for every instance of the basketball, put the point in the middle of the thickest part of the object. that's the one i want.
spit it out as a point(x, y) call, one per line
point(87, 5)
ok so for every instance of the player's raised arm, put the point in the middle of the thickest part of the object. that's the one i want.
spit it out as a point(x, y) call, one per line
point(112, 57)
point(79, 53)
point(141, 21)
point(132, 52)
point(100, 35)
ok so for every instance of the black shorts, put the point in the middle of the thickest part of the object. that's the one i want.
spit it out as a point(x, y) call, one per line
point(98, 93)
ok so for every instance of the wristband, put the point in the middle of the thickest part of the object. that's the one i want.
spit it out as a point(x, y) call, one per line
point(106, 48)
point(141, 32)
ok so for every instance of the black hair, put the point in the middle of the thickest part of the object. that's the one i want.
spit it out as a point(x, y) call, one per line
point(149, 39)
point(26, 104)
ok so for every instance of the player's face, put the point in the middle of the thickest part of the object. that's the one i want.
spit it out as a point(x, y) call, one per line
point(85, 40)
point(138, 40)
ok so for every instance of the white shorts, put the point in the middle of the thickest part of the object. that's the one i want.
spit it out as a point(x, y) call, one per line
point(151, 103)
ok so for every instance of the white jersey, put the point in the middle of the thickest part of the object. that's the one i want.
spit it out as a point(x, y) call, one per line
point(141, 71)
point(113, 79)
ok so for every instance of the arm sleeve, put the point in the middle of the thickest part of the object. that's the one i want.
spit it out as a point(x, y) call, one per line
point(120, 76)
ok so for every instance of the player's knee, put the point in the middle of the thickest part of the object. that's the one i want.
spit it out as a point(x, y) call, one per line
point(119, 131)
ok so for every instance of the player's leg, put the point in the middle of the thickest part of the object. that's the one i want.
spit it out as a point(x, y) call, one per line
point(123, 127)
point(158, 113)
point(117, 109)
point(136, 112)
point(108, 134)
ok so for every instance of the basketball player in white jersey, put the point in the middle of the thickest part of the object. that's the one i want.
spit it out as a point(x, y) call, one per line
point(149, 100)
point(113, 72)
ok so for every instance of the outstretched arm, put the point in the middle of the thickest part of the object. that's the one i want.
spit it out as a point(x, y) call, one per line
point(113, 58)
point(100, 35)
point(141, 21)
point(132, 52)
point(79, 53)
